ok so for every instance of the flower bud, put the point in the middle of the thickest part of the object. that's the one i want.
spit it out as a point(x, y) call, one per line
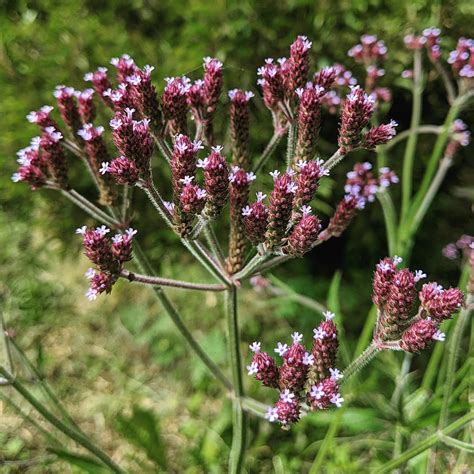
point(309, 121)
point(256, 220)
point(439, 303)
point(53, 154)
point(239, 192)
point(345, 212)
point(216, 180)
point(419, 335)
point(239, 126)
point(379, 135)
point(304, 235)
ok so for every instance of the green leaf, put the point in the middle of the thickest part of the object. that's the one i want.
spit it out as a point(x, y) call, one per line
point(142, 429)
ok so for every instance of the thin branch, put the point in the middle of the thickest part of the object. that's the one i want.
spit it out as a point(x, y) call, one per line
point(269, 149)
point(158, 281)
point(421, 130)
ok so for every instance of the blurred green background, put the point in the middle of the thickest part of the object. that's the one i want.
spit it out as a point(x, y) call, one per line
point(118, 362)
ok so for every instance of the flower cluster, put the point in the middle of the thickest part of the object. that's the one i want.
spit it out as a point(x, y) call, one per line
point(357, 110)
point(462, 58)
point(395, 294)
point(361, 187)
point(109, 254)
point(371, 52)
point(462, 247)
point(303, 377)
point(44, 162)
point(460, 136)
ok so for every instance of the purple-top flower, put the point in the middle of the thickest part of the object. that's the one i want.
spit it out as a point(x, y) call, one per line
point(42, 117)
point(369, 50)
point(174, 104)
point(239, 193)
point(53, 154)
point(67, 105)
point(145, 98)
point(34, 169)
point(433, 40)
point(307, 183)
point(255, 219)
point(299, 63)
point(97, 154)
point(133, 139)
point(123, 170)
point(379, 135)
point(342, 217)
point(125, 66)
point(439, 303)
point(264, 367)
point(356, 112)
point(279, 210)
point(216, 181)
point(101, 83)
point(85, 100)
point(325, 78)
point(212, 83)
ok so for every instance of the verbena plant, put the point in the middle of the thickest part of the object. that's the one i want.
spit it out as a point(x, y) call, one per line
point(151, 132)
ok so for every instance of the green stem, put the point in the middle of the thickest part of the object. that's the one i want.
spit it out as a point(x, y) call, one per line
point(407, 173)
point(453, 354)
point(361, 361)
point(436, 155)
point(425, 204)
point(422, 129)
point(390, 218)
point(239, 434)
point(56, 422)
point(145, 266)
point(425, 444)
point(269, 149)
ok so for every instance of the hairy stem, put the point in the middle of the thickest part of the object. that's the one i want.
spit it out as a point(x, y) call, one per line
point(239, 416)
point(334, 160)
point(57, 423)
point(361, 361)
point(291, 144)
point(159, 281)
